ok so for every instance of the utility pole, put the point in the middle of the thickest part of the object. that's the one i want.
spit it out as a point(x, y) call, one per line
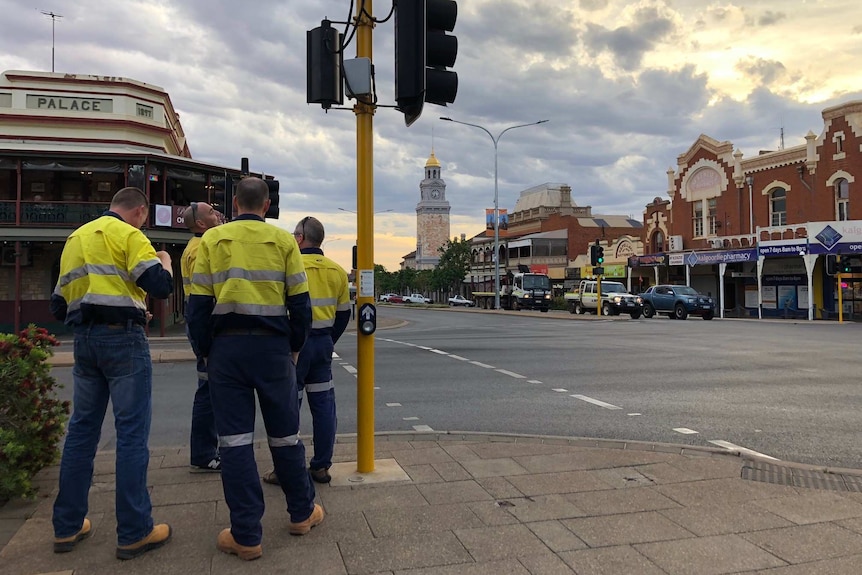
point(53, 21)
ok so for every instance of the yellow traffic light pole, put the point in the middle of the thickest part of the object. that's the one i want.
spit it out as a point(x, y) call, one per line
point(364, 249)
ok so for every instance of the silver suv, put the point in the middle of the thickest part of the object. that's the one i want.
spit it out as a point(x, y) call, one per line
point(615, 299)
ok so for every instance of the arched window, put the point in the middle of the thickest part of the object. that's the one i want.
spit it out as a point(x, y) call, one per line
point(778, 207)
point(842, 199)
point(658, 242)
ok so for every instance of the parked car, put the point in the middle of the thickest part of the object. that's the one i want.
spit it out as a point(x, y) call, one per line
point(615, 299)
point(677, 302)
point(416, 298)
point(386, 296)
point(459, 300)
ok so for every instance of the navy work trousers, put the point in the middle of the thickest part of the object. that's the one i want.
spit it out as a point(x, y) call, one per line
point(203, 440)
point(314, 376)
point(240, 366)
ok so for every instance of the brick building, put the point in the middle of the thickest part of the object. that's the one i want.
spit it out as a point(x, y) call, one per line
point(757, 231)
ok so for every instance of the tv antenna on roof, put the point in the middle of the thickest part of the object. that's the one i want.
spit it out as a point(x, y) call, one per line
point(53, 21)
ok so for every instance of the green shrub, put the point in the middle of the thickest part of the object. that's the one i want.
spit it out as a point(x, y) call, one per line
point(31, 417)
point(559, 302)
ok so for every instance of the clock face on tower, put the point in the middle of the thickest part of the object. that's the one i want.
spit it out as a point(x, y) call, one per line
point(435, 194)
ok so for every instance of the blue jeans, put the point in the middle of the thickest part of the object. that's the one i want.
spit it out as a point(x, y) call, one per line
point(204, 439)
point(111, 362)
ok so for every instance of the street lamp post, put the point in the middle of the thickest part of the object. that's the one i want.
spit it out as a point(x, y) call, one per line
point(496, 200)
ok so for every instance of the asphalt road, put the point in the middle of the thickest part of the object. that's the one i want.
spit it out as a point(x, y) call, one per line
point(786, 389)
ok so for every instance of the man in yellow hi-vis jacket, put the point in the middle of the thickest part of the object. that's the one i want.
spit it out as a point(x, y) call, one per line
point(249, 316)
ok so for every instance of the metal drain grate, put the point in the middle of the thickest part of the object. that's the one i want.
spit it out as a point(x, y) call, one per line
point(781, 475)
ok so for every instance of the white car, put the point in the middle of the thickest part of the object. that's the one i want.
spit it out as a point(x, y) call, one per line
point(459, 300)
point(416, 298)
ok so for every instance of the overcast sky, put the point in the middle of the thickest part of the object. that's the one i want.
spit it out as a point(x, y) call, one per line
point(627, 86)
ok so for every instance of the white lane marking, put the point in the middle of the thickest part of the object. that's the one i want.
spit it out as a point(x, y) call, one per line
point(393, 405)
point(349, 368)
point(685, 431)
point(425, 347)
point(458, 357)
point(634, 414)
point(335, 355)
point(480, 364)
point(560, 390)
point(441, 352)
point(376, 387)
point(410, 418)
point(422, 428)
point(733, 446)
point(533, 381)
point(596, 402)
point(511, 374)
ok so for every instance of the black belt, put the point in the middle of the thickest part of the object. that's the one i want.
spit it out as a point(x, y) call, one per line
point(250, 331)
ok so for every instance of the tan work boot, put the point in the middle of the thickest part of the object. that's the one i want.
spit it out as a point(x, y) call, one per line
point(271, 478)
point(66, 544)
point(303, 527)
point(227, 544)
point(160, 535)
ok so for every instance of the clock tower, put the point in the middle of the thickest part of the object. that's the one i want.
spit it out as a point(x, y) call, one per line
point(432, 216)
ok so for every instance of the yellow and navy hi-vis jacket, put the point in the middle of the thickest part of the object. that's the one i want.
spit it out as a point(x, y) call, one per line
point(106, 270)
point(187, 263)
point(329, 291)
point(248, 275)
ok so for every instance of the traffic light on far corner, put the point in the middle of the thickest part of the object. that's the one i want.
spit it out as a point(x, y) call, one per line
point(423, 51)
point(323, 64)
point(594, 255)
point(600, 255)
point(273, 186)
point(831, 265)
point(844, 265)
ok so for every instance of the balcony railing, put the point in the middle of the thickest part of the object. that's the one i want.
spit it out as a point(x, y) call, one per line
point(54, 214)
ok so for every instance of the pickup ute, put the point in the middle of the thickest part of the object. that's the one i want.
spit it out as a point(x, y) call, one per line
point(459, 300)
point(615, 299)
point(416, 298)
point(677, 302)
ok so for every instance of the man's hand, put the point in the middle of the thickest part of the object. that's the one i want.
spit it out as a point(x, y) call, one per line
point(165, 258)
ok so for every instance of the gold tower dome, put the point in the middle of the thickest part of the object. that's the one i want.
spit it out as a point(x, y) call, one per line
point(432, 162)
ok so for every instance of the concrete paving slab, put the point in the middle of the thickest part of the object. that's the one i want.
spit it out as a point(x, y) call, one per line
point(452, 471)
point(622, 477)
point(721, 519)
point(842, 566)
point(589, 459)
point(454, 492)
point(385, 471)
point(392, 522)
point(854, 524)
point(409, 551)
point(559, 482)
point(499, 542)
point(427, 455)
point(556, 536)
point(506, 567)
point(545, 564)
point(499, 487)
point(610, 561)
point(621, 501)
point(321, 557)
point(813, 507)
point(806, 543)
point(460, 452)
point(729, 491)
point(423, 473)
point(708, 556)
point(543, 508)
point(626, 529)
point(342, 499)
point(493, 512)
point(493, 467)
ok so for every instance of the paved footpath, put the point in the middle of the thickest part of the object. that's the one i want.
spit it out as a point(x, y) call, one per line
point(488, 504)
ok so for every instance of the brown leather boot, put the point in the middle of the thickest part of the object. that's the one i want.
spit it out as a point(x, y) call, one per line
point(303, 527)
point(227, 544)
point(160, 535)
point(66, 544)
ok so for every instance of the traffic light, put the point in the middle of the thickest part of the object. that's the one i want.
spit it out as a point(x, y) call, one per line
point(845, 265)
point(423, 51)
point(323, 62)
point(831, 265)
point(594, 255)
point(273, 185)
point(600, 255)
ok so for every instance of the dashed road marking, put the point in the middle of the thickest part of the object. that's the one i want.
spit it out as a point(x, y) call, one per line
point(685, 431)
point(633, 414)
point(349, 368)
point(410, 418)
point(734, 447)
point(440, 351)
point(533, 381)
point(511, 374)
point(393, 405)
point(422, 428)
point(596, 402)
point(560, 390)
point(458, 357)
point(480, 364)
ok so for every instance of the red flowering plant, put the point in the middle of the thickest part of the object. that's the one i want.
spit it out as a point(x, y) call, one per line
point(32, 418)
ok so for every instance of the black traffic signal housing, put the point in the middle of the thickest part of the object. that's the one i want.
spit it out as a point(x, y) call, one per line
point(831, 264)
point(423, 51)
point(844, 265)
point(594, 255)
point(600, 255)
point(323, 62)
point(273, 186)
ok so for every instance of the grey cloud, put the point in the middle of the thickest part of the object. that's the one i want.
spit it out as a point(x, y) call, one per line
point(593, 5)
point(628, 44)
point(769, 18)
point(761, 70)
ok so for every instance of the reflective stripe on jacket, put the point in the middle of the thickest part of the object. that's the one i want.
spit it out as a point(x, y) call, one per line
point(187, 263)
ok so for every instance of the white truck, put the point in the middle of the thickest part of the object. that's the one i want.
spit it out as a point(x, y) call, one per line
point(615, 299)
point(416, 298)
point(527, 291)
